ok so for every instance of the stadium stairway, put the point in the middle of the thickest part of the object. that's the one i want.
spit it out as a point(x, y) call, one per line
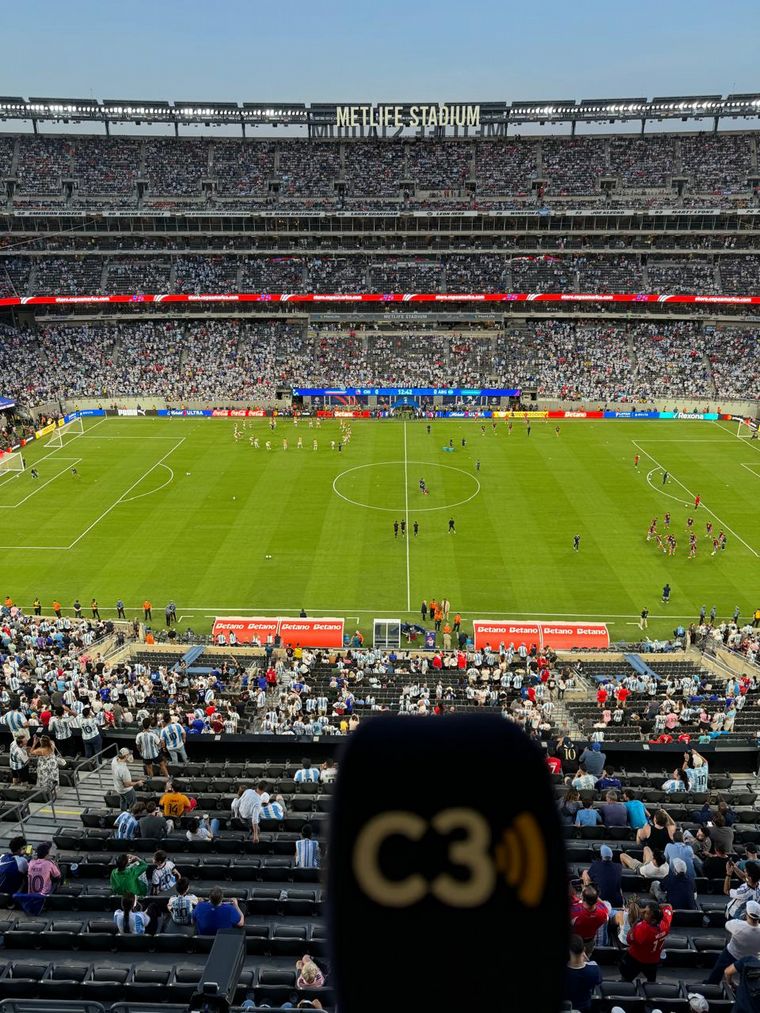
point(639, 665)
point(193, 654)
point(65, 812)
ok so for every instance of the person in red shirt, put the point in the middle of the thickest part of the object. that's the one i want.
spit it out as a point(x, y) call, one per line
point(697, 501)
point(271, 677)
point(587, 916)
point(622, 694)
point(645, 942)
point(601, 697)
point(554, 764)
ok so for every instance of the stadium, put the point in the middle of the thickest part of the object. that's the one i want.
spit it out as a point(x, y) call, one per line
point(319, 418)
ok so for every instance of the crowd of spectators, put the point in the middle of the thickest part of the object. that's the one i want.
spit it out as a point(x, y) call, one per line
point(670, 361)
point(67, 275)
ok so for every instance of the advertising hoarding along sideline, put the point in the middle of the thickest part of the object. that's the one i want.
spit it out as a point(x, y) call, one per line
point(386, 297)
point(321, 632)
point(559, 636)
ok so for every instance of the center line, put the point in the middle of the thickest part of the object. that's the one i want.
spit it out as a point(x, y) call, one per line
point(408, 530)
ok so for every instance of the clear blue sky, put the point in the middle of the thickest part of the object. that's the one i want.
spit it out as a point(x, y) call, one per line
point(370, 51)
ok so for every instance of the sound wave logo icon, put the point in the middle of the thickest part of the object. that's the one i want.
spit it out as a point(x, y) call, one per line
point(521, 857)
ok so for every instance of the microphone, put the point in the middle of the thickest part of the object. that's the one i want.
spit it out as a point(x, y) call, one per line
point(447, 883)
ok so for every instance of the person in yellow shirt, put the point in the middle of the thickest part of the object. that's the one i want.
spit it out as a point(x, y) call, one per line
point(174, 803)
point(756, 620)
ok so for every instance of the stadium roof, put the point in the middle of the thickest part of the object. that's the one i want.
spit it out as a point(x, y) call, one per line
point(139, 111)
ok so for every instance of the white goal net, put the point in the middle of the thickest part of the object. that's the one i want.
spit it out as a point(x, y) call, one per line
point(66, 432)
point(748, 429)
point(10, 463)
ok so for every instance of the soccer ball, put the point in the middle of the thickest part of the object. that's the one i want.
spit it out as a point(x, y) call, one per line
point(234, 497)
point(187, 473)
point(269, 557)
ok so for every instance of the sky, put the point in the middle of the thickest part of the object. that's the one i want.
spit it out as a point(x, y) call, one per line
point(230, 50)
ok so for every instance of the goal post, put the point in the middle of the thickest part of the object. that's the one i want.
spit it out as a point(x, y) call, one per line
point(747, 429)
point(11, 462)
point(66, 432)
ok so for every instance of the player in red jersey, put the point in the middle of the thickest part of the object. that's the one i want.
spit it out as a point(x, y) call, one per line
point(708, 529)
point(672, 545)
point(636, 460)
point(692, 545)
point(652, 532)
point(666, 519)
point(689, 522)
point(697, 501)
point(716, 546)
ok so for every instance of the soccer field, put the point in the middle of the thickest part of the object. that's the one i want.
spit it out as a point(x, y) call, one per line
point(175, 508)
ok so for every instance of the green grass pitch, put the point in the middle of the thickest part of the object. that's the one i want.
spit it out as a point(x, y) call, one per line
point(175, 508)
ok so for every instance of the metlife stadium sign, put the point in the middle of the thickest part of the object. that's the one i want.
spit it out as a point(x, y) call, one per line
point(384, 116)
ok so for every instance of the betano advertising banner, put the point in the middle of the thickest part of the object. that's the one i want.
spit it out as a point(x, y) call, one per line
point(323, 632)
point(559, 636)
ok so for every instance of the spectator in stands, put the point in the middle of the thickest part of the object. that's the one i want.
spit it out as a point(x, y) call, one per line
point(587, 915)
point(592, 759)
point(180, 908)
point(697, 770)
point(677, 888)
point(215, 913)
point(149, 749)
point(613, 811)
point(748, 890)
point(48, 777)
point(608, 780)
point(90, 732)
point(127, 823)
point(714, 865)
point(306, 773)
point(744, 941)
point(637, 812)
point(750, 855)
point(652, 865)
point(606, 876)
point(13, 866)
point(164, 874)
point(659, 832)
point(129, 918)
point(307, 850)
point(19, 759)
point(747, 989)
point(44, 874)
point(272, 808)
point(582, 976)
point(678, 849)
point(154, 824)
point(129, 876)
point(583, 781)
point(646, 940)
point(247, 800)
point(202, 829)
point(309, 975)
point(174, 803)
point(587, 816)
point(123, 784)
point(569, 806)
point(173, 737)
point(722, 835)
point(329, 772)
point(678, 781)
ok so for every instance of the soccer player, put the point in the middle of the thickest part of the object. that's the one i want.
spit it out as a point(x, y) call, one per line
point(452, 526)
point(332, 444)
point(665, 477)
point(74, 473)
point(708, 529)
point(451, 443)
point(660, 544)
point(666, 594)
point(464, 443)
point(693, 553)
point(423, 487)
point(268, 445)
point(697, 501)
point(482, 432)
point(477, 465)
point(284, 444)
point(395, 529)
point(672, 545)
point(556, 430)
point(666, 520)
point(403, 528)
point(652, 532)
point(576, 542)
point(689, 522)
point(644, 618)
point(299, 445)
point(415, 528)
point(314, 445)
point(340, 446)
point(716, 546)
point(636, 460)
point(35, 473)
point(509, 427)
point(253, 441)
point(529, 429)
point(428, 429)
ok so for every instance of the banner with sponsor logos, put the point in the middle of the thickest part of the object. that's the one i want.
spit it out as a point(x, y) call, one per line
point(181, 412)
point(384, 297)
point(238, 413)
point(323, 632)
point(558, 636)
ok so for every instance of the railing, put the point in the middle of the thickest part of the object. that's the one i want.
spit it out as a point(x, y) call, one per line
point(22, 808)
point(97, 759)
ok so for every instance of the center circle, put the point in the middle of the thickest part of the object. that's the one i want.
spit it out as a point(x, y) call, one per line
point(395, 480)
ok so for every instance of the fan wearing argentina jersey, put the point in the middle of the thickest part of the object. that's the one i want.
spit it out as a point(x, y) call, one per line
point(90, 731)
point(14, 719)
point(307, 850)
point(149, 748)
point(306, 773)
point(173, 737)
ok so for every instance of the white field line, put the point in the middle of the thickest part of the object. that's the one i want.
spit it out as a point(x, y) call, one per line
point(692, 497)
point(408, 529)
point(660, 489)
point(152, 492)
point(753, 444)
point(72, 462)
point(751, 469)
point(121, 498)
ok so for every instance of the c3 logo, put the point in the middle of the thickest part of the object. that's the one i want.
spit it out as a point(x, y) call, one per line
point(520, 856)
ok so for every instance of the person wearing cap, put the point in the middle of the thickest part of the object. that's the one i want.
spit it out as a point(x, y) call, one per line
point(747, 988)
point(587, 915)
point(606, 876)
point(646, 940)
point(744, 942)
point(122, 779)
point(677, 888)
point(593, 759)
point(581, 976)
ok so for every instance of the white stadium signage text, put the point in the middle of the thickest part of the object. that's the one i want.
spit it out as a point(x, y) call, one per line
point(438, 115)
